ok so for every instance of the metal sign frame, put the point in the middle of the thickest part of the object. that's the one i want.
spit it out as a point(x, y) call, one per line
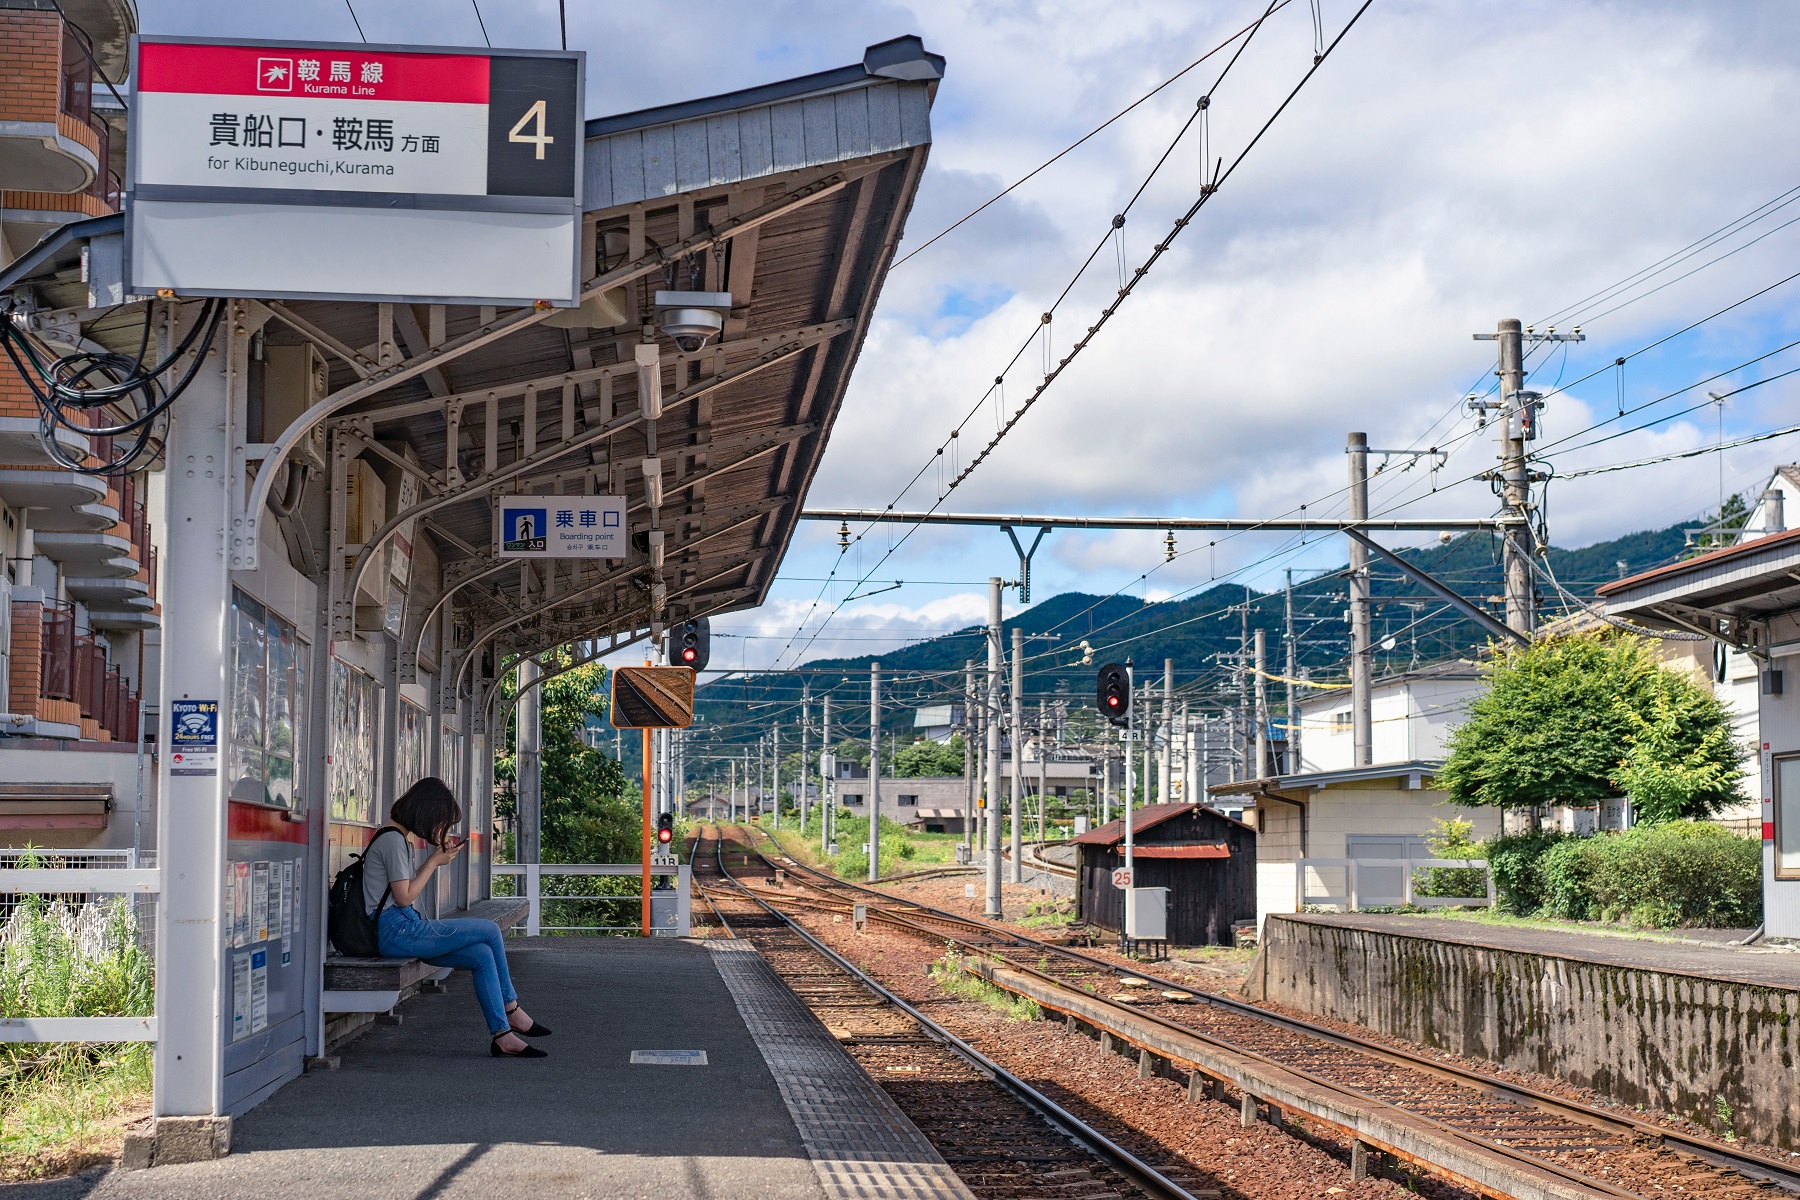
point(660, 679)
point(572, 205)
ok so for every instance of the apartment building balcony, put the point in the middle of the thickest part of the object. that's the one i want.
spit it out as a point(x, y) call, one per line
point(89, 555)
point(50, 140)
point(61, 500)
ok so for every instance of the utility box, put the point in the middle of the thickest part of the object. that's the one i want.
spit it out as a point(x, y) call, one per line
point(665, 913)
point(1147, 914)
point(294, 379)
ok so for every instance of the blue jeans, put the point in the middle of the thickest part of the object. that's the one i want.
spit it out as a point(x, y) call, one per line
point(467, 942)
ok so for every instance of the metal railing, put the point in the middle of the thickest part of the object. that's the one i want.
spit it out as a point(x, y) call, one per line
point(1352, 898)
point(663, 923)
point(76, 883)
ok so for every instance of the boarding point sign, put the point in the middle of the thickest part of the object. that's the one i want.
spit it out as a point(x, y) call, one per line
point(562, 527)
point(352, 171)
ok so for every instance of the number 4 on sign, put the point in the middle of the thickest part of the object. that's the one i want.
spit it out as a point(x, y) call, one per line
point(533, 114)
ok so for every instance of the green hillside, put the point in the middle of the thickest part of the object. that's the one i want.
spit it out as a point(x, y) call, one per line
point(1197, 632)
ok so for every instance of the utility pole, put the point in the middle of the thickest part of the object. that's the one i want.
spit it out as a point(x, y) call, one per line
point(775, 758)
point(1130, 723)
point(969, 786)
point(1043, 769)
point(1166, 783)
point(1515, 480)
point(1205, 752)
point(874, 771)
point(731, 792)
point(1188, 792)
point(805, 728)
point(1262, 703)
point(1361, 725)
point(1018, 751)
point(827, 809)
point(992, 715)
point(1240, 720)
point(1149, 743)
point(1293, 710)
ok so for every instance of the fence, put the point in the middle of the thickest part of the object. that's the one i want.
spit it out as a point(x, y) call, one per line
point(104, 872)
point(670, 908)
point(1354, 898)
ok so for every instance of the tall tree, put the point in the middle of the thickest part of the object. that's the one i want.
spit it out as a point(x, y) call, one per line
point(1580, 718)
point(592, 813)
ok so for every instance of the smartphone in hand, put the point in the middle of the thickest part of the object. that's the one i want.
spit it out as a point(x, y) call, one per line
point(452, 844)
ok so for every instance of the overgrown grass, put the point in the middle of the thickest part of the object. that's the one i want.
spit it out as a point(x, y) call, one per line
point(947, 972)
point(902, 847)
point(62, 1104)
point(1051, 912)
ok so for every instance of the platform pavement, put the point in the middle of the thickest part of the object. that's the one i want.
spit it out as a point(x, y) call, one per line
point(1770, 966)
point(420, 1111)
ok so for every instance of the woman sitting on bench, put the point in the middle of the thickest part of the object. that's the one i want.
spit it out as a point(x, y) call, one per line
point(428, 811)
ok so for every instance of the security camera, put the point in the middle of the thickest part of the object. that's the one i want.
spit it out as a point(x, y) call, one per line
point(692, 319)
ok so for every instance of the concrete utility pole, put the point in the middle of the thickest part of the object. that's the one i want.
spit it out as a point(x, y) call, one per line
point(1262, 703)
point(1240, 720)
point(1018, 752)
point(1205, 754)
point(731, 790)
point(528, 762)
point(776, 760)
point(1043, 770)
point(874, 771)
point(805, 728)
point(1166, 784)
point(1361, 727)
point(1515, 481)
point(992, 715)
point(1293, 709)
point(826, 807)
point(969, 786)
point(1130, 723)
point(1149, 744)
point(1188, 790)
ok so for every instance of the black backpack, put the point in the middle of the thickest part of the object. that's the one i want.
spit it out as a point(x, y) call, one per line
point(354, 931)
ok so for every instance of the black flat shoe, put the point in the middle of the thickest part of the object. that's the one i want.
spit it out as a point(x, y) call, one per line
point(528, 1052)
point(538, 1028)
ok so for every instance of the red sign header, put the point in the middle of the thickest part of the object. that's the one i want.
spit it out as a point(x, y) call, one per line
point(325, 74)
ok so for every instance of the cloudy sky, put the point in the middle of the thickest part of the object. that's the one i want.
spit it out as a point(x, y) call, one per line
point(1450, 164)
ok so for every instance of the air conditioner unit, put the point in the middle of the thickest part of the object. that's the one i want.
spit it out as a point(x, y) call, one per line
point(365, 511)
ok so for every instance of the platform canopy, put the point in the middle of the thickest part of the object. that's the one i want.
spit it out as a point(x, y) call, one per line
point(790, 197)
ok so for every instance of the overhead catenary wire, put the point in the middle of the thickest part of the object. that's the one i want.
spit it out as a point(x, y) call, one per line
point(1206, 192)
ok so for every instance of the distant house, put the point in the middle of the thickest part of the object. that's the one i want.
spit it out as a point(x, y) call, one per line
point(1410, 717)
point(938, 722)
point(935, 803)
point(1205, 859)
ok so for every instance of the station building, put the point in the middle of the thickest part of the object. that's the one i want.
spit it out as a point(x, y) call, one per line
point(330, 574)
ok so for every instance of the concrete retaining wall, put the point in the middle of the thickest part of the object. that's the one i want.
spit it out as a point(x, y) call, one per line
point(1641, 1037)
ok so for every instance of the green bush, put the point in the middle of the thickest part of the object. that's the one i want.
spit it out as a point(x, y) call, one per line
point(1451, 839)
point(1656, 876)
point(1515, 861)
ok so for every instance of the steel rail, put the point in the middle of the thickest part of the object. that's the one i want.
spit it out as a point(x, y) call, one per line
point(1751, 1166)
point(1096, 1143)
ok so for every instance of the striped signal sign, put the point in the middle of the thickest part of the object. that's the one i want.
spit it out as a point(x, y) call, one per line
point(652, 698)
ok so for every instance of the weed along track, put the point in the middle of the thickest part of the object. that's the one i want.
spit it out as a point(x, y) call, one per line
point(1384, 1110)
point(999, 1143)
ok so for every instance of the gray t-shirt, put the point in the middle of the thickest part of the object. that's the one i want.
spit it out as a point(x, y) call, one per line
point(388, 858)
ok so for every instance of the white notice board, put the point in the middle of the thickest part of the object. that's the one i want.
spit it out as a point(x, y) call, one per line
point(562, 527)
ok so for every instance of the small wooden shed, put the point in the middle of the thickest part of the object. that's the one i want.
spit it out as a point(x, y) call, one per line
point(1205, 859)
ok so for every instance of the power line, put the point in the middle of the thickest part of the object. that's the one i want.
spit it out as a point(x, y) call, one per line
point(476, 5)
point(1078, 142)
point(1126, 288)
point(354, 21)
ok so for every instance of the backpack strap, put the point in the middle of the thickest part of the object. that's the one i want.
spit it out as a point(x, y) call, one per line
point(387, 891)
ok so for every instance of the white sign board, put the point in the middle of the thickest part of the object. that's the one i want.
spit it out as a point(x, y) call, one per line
point(562, 527)
point(664, 861)
point(336, 170)
point(1121, 877)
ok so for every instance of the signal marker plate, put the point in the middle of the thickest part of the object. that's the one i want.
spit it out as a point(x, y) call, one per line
point(668, 1058)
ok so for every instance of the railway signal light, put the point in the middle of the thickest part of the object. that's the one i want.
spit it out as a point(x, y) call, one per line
point(1113, 693)
point(693, 644)
point(665, 829)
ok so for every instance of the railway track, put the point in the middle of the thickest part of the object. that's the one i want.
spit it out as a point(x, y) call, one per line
point(1587, 1150)
point(1004, 1139)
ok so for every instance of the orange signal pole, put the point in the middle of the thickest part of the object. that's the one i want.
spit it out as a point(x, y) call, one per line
point(647, 835)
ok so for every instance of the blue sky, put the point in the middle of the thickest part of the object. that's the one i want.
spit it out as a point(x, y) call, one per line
point(1453, 163)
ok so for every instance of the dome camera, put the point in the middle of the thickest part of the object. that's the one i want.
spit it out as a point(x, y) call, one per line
point(692, 319)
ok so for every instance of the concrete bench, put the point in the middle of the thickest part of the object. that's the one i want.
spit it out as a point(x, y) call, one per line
point(376, 985)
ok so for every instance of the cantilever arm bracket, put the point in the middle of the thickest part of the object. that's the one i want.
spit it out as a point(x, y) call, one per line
point(1456, 600)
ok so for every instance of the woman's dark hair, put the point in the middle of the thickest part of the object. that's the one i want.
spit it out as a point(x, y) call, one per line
point(428, 810)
